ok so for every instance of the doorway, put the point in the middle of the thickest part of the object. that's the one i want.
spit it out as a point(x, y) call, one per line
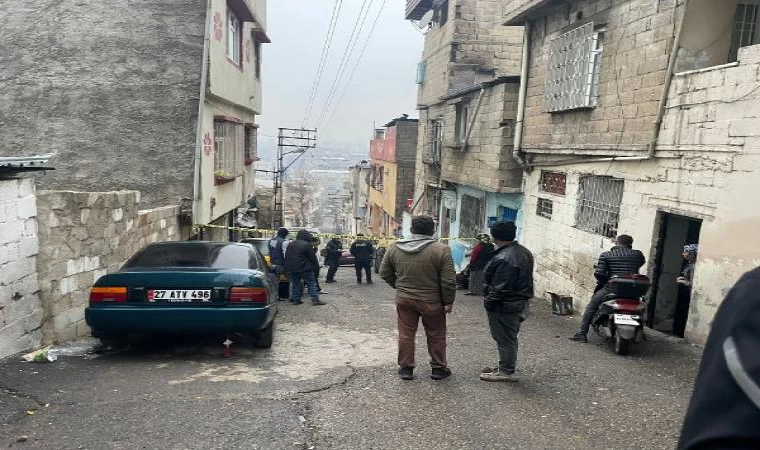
point(669, 301)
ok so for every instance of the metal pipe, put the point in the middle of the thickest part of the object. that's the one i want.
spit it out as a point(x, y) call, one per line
point(568, 162)
point(668, 82)
point(197, 187)
point(474, 116)
point(522, 95)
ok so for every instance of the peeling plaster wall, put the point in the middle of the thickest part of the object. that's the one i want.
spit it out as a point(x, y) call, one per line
point(20, 308)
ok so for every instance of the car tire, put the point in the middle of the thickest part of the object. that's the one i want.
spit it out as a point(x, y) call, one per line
point(264, 338)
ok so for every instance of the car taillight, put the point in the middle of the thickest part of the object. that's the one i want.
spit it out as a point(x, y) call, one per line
point(108, 295)
point(248, 295)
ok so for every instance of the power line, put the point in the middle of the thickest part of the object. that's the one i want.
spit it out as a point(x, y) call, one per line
point(323, 59)
point(358, 25)
point(356, 66)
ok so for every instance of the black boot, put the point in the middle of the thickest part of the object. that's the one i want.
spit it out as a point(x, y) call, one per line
point(406, 373)
point(579, 337)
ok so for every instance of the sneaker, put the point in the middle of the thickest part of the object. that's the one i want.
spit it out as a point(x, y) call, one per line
point(358, 281)
point(283, 299)
point(369, 282)
point(296, 302)
point(499, 377)
point(330, 281)
point(318, 302)
point(322, 292)
point(579, 337)
point(406, 373)
point(439, 373)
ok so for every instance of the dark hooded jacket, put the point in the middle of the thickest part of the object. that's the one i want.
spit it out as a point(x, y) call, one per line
point(420, 268)
point(300, 255)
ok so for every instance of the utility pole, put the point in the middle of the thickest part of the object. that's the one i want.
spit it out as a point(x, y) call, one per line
point(300, 140)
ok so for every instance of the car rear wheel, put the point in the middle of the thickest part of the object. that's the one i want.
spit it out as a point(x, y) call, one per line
point(264, 338)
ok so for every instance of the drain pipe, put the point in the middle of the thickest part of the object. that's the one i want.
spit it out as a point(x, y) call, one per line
point(522, 95)
point(668, 81)
point(197, 196)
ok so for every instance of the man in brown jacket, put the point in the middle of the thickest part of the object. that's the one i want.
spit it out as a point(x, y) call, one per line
point(422, 271)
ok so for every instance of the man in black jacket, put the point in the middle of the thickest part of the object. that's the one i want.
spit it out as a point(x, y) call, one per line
point(621, 260)
point(508, 289)
point(724, 412)
point(362, 249)
point(332, 258)
point(300, 261)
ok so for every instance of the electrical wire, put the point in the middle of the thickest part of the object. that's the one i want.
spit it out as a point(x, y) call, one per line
point(356, 66)
point(322, 60)
point(350, 46)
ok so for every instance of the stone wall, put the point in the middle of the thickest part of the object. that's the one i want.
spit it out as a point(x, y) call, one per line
point(129, 102)
point(406, 158)
point(83, 236)
point(20, 308)
point(637, 43)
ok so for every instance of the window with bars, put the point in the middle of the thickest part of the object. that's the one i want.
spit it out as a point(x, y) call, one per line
point(599, 200)
point(234, 37)
point(228, 150)
point(553, 182)
point(545, 208)
point(575, 62)
point(434, 149)
point(250, 144)
point(745, 28)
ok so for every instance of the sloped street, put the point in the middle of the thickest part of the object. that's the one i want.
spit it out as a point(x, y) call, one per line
point(330, 382)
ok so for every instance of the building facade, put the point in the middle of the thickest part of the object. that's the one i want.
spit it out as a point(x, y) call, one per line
point(143, 109)
point(468, 83)
point(641, 118)
point(391, 181)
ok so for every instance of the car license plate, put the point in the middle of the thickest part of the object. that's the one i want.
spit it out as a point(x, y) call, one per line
point(179, 296)
point(625, 319)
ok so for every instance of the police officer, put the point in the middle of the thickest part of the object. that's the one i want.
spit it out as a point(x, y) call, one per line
point(363, 250)
point(332, 258)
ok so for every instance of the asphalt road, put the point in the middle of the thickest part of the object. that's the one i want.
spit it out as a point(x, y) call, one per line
point(330, 382)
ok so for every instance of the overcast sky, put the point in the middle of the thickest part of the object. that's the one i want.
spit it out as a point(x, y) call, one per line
point(383, 86)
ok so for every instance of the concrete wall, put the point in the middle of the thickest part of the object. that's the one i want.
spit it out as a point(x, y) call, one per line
point(20, 308)
point(386, 199)
point(406, 158)
point(83, 236)
point(636, 47)
point(111, 86)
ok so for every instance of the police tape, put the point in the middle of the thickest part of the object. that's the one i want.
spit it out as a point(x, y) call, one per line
point(272, 233)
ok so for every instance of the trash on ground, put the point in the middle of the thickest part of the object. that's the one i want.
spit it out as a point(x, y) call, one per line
point(41, 355)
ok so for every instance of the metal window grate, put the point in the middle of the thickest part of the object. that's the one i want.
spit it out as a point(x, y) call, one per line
point(553, 182)
point(432, 154)
point(575, 60)
point(599, 200)
point(745, 30)
point(228, 149)
point(545, 208)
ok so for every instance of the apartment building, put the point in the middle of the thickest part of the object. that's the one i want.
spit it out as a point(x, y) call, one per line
point(468, 81)
point(641, 118)
point(391, 179)
point(160, 97)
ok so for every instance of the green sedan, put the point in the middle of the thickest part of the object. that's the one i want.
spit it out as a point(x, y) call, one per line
point(187, 287)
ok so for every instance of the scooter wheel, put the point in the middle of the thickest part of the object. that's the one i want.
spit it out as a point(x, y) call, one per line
point(621, 345)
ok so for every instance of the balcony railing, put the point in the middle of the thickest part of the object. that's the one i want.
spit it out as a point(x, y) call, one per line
point(416, 9)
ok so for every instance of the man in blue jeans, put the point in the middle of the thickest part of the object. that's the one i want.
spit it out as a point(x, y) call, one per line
point(300, 261)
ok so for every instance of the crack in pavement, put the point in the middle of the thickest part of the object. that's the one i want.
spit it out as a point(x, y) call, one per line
point(342, 382)
point(15, 392)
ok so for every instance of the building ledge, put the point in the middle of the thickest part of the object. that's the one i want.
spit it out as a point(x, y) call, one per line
point(518, 11)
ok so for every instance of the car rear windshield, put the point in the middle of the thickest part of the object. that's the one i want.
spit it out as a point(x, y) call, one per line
point(260, 245)
point(214, 256)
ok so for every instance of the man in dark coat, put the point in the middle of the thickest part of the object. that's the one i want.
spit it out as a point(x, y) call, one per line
point(621, 260)
point(724, 412)
point(509, 288)
point(332, 258)
point(363, 250)
point(300, 261)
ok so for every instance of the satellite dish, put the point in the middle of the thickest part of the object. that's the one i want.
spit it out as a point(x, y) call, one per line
point(426, 19)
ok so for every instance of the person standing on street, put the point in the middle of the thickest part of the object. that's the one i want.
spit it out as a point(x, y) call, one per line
point(421, 270)
point(363, 250)
point(300, 261)
point(685, 282)
point(480, 257)
point(724, 411)
point(508, 290)
point(277, 247)
point(621, 260)
point(317, 269)
point(332, 258)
